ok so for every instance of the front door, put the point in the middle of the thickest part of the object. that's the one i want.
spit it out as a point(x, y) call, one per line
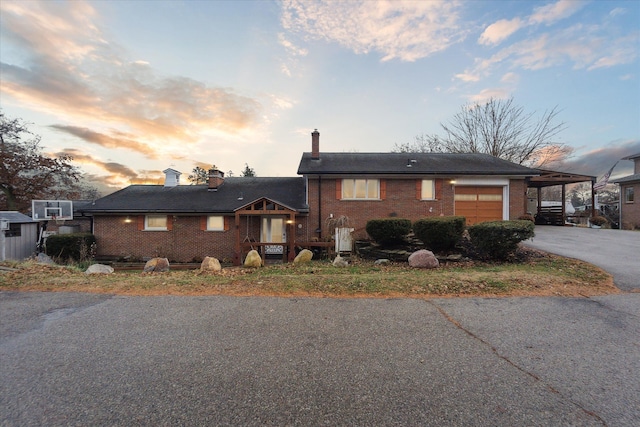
point(273, 231)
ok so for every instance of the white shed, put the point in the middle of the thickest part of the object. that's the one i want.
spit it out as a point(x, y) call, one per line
point(18, 236)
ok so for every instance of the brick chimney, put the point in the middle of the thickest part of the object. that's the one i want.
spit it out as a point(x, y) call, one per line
point(315, 144)
point(216, 179)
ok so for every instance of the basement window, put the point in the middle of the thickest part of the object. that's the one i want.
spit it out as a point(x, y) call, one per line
point(155, 222)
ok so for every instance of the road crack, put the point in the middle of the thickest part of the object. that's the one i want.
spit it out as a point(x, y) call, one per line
point(495, 351)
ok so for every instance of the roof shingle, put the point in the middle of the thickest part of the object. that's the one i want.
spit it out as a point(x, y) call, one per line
point(232, 194)
point(410, 164)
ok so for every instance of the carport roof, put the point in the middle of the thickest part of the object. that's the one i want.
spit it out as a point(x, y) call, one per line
point(548, 178)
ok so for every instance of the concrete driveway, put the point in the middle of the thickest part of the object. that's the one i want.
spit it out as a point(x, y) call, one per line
point(615, 251)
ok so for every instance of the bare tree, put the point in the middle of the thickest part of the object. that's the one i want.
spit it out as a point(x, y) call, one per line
point(26, 173)
point(500, 128)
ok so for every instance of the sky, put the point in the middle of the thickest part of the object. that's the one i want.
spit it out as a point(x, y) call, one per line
point(130, 88)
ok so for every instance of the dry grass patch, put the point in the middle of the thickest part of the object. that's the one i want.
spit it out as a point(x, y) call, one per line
point(535, 274)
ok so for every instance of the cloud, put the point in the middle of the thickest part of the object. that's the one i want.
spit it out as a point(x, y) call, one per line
point(500, 30)
point(66, 67)
point(290, 47)
point(550, 13)
point(117, 141)
point(582, 46)
point(597, 162)
point(397, 30)
point(510, 78)
point(487, 94)
point(116, 174)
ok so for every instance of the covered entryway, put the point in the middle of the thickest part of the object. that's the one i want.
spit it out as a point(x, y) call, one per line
point(273, 230)
point(479, 203)
point(276, 229)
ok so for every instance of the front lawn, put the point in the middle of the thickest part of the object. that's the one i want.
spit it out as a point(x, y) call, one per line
point(536, 273)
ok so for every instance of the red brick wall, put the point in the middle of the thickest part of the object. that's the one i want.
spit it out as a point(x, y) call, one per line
point(630, 212)
point(517, 198)
point(185, 241)
point(401, 201)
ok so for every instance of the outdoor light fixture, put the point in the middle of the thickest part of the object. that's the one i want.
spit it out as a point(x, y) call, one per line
point(127, 219)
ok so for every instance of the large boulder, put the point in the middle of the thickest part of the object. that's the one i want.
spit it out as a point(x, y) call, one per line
point(253, 259)
point(210, 264)
point(304, 256)
point(423, 259)
point(99, 269)
point(156, 265)
point(340, 262)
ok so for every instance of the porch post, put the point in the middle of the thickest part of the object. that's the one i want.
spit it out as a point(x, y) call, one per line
point(593, 200)
point(564, 198)
point(237, 256)
point(291, 237)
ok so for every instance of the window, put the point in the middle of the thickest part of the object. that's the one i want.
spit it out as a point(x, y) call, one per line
point(490, 197)
point(15, 230)
point(155, 222)
point(428, 190)
point(215, 223)
point(628, 195)
point(360, 189)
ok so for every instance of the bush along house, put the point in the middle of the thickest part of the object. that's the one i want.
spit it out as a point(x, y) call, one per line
point(336, 192)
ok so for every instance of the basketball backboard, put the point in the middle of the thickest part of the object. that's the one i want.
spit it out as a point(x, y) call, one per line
point(44, 210)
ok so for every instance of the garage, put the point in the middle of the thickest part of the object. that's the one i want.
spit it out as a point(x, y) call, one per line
point(479, 203)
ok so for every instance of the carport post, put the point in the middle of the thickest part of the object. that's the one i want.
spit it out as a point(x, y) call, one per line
point(593, 200)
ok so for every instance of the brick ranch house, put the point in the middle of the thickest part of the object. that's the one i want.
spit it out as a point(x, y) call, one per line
point(629, 185)
point(228, 216)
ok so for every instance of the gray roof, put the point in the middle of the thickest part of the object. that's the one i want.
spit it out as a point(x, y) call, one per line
point(629, 178)
point(15, 217)
point(198, 199)
point(420, 164)
point(632, 157)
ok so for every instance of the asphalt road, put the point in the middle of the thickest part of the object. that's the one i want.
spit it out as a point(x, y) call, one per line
point(81, 359)
point(615, 251)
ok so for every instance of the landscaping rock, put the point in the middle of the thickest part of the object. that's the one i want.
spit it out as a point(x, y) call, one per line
point(381, 261)
point(43, 258)
point(253, 259)
point(304, 256)
point(423, 259)
point(156, 265)
point(340, 262)
point(210, 264)
point(99, 269)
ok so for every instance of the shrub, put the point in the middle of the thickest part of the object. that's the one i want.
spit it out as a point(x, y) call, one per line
point(499, 239)
point(440, 233)
point(527, 217)
point(67, 247)
point(388, 230)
